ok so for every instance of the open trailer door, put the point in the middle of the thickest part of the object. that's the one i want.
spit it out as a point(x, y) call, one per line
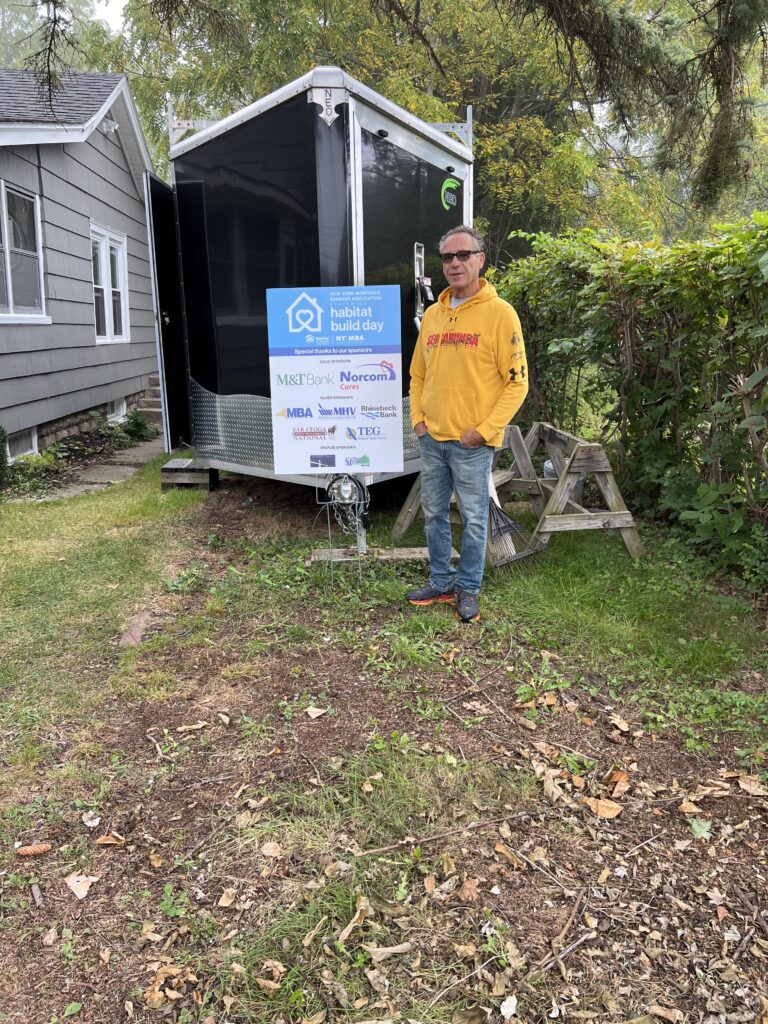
point(168, 306)
point(411, 190)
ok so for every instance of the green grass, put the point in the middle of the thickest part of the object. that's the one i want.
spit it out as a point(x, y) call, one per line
point(414, 794)
point(71, 573)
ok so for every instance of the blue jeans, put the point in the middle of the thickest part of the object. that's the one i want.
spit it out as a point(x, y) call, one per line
point(446, 466)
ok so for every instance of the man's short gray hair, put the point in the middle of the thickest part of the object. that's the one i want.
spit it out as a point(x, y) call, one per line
point(465, 229)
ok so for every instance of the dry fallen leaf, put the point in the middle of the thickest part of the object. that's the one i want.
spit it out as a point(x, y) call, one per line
point(468, 892)
point(192, 728)
point(465, 952)
point(316, 1018)
point(90, 819)
point(51, 936)
point(752, 785)
point(313, 712)
point(155, 860)
point(430, 883)
point(272, 850)
point(474, 1016)
point(310, 936)
point(80, 884)
point(381, 953)
point(602, 808)
point(665, 1013)
point(688, 807)
point(110, 839)
point(378, 982)
point(267, 984)
point(363, 910)
point(510, 856)
point(508, 1008)
point(227, 898)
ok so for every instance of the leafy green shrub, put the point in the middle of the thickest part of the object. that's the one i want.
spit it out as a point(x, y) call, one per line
point(30, 471)
point(667, 348)
point(138, 427)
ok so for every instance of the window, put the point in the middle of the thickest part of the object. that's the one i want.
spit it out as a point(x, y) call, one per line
point(23, 442)
point(116, 410)
point(110, 284)
point(21, 265)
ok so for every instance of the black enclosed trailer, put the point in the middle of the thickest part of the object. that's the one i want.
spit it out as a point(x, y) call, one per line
point(322, 183)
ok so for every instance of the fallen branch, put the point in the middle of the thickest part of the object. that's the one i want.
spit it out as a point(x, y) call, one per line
point(571, 919)
point(460, 981)
point(422, 840)
point(161, 755)
point(546, 965)
point(647, 841)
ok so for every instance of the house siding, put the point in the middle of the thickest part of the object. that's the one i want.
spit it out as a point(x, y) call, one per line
point(48, 372)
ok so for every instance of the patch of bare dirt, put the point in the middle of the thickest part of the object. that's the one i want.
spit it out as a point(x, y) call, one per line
point(625, 879)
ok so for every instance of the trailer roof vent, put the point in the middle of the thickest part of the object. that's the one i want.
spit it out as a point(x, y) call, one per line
point(382, 133)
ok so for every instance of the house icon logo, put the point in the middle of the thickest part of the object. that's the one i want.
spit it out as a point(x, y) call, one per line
point(304, 314)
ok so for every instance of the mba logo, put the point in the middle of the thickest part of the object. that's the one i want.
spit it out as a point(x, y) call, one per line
point(300, 413)
point(366, 372)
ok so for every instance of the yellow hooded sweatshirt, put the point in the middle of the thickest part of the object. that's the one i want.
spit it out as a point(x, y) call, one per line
point(468, 368)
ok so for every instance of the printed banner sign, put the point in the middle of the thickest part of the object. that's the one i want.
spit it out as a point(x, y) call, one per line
point(335, 373)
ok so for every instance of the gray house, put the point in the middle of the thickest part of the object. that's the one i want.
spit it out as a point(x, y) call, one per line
point(77, 329)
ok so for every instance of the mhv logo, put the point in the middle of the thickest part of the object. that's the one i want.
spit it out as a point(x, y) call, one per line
point(300, 413)
point(338, 411)
point(304, 314)
point(367, 372)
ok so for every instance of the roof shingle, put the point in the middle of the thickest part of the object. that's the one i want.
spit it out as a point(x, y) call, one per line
point(80, 97)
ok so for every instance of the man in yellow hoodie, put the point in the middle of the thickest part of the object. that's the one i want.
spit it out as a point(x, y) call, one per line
point(468, 379)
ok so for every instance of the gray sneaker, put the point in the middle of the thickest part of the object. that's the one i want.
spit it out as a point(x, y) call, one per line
point(429, 595)
point(466, 606)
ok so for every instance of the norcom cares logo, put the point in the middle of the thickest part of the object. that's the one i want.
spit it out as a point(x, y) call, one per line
point(368, 372)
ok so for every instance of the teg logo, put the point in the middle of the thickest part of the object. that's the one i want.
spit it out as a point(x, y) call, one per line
point(291, 380)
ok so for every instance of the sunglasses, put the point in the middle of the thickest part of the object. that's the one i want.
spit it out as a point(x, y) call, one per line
point(463, 255)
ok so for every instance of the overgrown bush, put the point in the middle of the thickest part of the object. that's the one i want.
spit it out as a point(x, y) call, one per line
point(666, 347)
point(138, 427)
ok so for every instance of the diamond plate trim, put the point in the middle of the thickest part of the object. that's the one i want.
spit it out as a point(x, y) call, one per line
point(232, 428)
point(238, 428)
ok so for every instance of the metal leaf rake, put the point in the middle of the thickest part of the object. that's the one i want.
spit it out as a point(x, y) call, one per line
point(509, 543)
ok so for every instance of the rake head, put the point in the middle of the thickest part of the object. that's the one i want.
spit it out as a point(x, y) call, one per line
point(510, 544)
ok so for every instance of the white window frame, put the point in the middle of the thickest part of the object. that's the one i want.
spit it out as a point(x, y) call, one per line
point(105, 237)
point(117, 410)
point(34, 450)
point(13, 315)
